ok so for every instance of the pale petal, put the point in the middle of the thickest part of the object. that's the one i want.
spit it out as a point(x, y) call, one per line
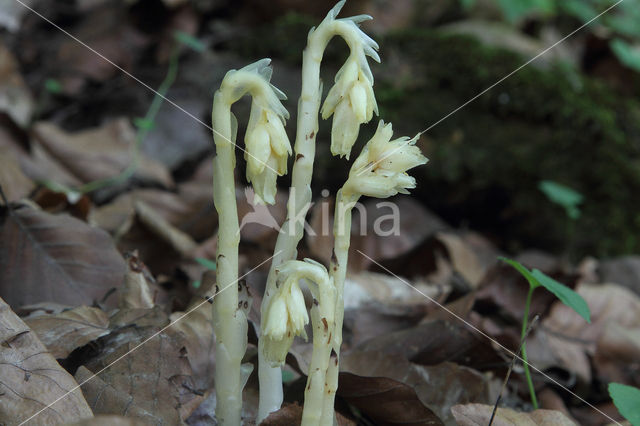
point(258, 149)
point(358, 98)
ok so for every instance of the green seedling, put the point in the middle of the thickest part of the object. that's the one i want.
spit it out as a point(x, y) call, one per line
point(573, 300)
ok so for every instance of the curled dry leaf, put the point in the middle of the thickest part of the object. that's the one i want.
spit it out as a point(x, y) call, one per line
point(55, 258)
point(62, 333)
point(136, 293)
point(479, 415)
point(31, 379)
point(98, 153)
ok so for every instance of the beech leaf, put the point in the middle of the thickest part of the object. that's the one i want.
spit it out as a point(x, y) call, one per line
point(55, 258)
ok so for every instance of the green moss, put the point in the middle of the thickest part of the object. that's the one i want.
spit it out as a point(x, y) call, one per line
point(487, 159)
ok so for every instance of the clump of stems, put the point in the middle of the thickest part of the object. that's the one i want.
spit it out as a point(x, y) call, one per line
point(379, 171)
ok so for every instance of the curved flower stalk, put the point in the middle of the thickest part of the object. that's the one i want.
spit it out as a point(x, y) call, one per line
point(354, 79)
point(284, 323)
point(229, 318)
point(379, 171)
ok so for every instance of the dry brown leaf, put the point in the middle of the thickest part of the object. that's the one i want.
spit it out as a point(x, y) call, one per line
point(15, 97)
point(136, 292)
point(385, 401)
point(62, 333)
point(99, 153)
point(365, 287)
point(436, 341)
point(463, 259)
point(107, 30)
point(617, 357)
point(372, 230)
point(197, 330)
point(624, 271)
point(55, 258)
point(479, 415)
point(31, 379)
point(178, 240)
point(110, 421)
point(571, 340)
point(439, 387)
point(14, 182)
point(154, 378)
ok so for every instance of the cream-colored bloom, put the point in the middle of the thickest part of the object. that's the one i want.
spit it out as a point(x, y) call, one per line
point(267, 150)
point(286, 318)
point(266, 141)
point(380, 169)
point(351, 100)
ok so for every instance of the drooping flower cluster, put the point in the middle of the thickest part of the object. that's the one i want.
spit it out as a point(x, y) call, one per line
point(351, 100)
point(380, 169)
point(267, 149)
point(286, 317)
point(266, 141)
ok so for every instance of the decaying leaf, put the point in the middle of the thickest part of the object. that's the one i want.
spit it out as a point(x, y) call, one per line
point(63, 332)
point(13, 181)
point(99, 153)
point(378, 229)
point(571, 340)
point(438, 387)
point(55, 258)
point(385, 401)
point(31, 379)
point(110, 421)
point(154, 378)
point(479, 415)
point(15, 97)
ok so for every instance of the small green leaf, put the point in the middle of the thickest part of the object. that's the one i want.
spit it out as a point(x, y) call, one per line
point(564, 293)
point(189, 41)
point(52, 85)
point(561, 291)
point(196, 284)
point(627, 54)
point(627, 401)
point(563, 196)
point(523, 271)
point(209, 264)
point(143, 123)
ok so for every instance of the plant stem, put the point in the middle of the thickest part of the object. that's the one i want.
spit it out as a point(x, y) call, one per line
point(291, 232)
point(523, 336)
point(229, 322)
point(338, 271)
